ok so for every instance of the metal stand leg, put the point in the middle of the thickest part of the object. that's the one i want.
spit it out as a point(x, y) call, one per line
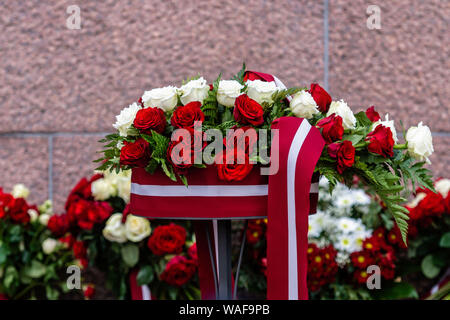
point(224, 258)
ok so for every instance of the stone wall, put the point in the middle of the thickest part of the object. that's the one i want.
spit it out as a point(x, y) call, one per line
point(60, 88)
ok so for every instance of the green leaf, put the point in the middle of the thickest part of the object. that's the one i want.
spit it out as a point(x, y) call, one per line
point(362, 119)
point(52, 293)
point(445, 240)
point(35, 270)
point(400, 290)
point(145, 275)
point(429, 269)
point(239, 77)
point(4, 252)
point(130, 254)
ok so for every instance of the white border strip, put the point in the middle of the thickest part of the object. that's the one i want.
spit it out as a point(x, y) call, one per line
point(199, 190)
point(146, 294)
point(294, 150)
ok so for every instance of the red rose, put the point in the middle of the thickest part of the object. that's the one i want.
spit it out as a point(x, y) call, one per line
point(185, 116)
point(179, 270)
point(135, 154)
point(18, 211)
point(248, 111)
point(89, 292)
point(82, 190)
point(192, 252)
point(372, 114)
point(321, 97)
point(344, 153)
point(167, 239)
point(150, 119)
point(58, 224)
point(67, 240)
point(332, 128)
point(79, 250)
point(235, 171)
point(381, 141)
point(250, 75)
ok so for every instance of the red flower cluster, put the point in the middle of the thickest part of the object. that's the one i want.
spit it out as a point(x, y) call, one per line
point(376, 250)
point(433, 206)
point(256, 230)
point(179, 270)
point(322, 266)
point(167, 239)
point(14, 208)
point(344, 153)
point(80, 252)
point(81, 210)
point(183, 157)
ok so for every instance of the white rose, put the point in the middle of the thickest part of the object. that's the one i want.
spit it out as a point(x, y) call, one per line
point(102, 189)
point(125, 119)
point(124, 189)
point(194, 90)
point(165, 98)
point(114, 229)
point(34, 215)
point(49, 245)
point(340, 108)
point(420, 142)
point(387, 123)
point(303, 105)
point(443, 187)
point(261, 91)
point(137, 228)
point(20, 191)
point(228, 91)
point(43, 219)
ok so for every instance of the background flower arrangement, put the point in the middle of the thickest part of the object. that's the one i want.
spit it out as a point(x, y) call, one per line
point(350, 231)
point(359, 144)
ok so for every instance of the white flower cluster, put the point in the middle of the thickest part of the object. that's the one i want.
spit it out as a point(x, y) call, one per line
point(336, 225)
point(134, 229)
point(111, 185)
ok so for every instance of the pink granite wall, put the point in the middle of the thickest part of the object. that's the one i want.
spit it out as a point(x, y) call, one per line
point(60, 88)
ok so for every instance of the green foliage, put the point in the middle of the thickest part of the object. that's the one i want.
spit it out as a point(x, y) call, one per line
point(239, 77)
point(130, 254)
point(210, 105)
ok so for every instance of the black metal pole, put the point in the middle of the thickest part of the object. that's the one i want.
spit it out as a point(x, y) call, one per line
point(224, 259)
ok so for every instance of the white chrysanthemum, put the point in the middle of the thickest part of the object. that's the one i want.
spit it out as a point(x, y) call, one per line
point(194, 90)
point(303, 105)
point(342, 109)
point(347, 225)
point(20, 191)
point(420, 142)
point(228, 91)
point(387, 123)
point(443, 187)
point(360, 197)
point(165, 98)
point(345, 242)
point(314, 228)
point(344, 201)
point(261, 91)
point(126, 118)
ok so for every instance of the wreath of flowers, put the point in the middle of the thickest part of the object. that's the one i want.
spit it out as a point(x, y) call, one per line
point(360, 144)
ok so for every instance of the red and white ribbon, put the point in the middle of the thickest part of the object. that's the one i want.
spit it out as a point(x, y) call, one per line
point(138, 292)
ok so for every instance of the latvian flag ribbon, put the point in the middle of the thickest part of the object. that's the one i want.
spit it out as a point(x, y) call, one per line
point(285, 198)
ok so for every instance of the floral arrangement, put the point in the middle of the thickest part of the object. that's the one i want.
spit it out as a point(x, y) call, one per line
point(33, 263)
point(360, 144)
point(352, 231)
point(112, 240)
